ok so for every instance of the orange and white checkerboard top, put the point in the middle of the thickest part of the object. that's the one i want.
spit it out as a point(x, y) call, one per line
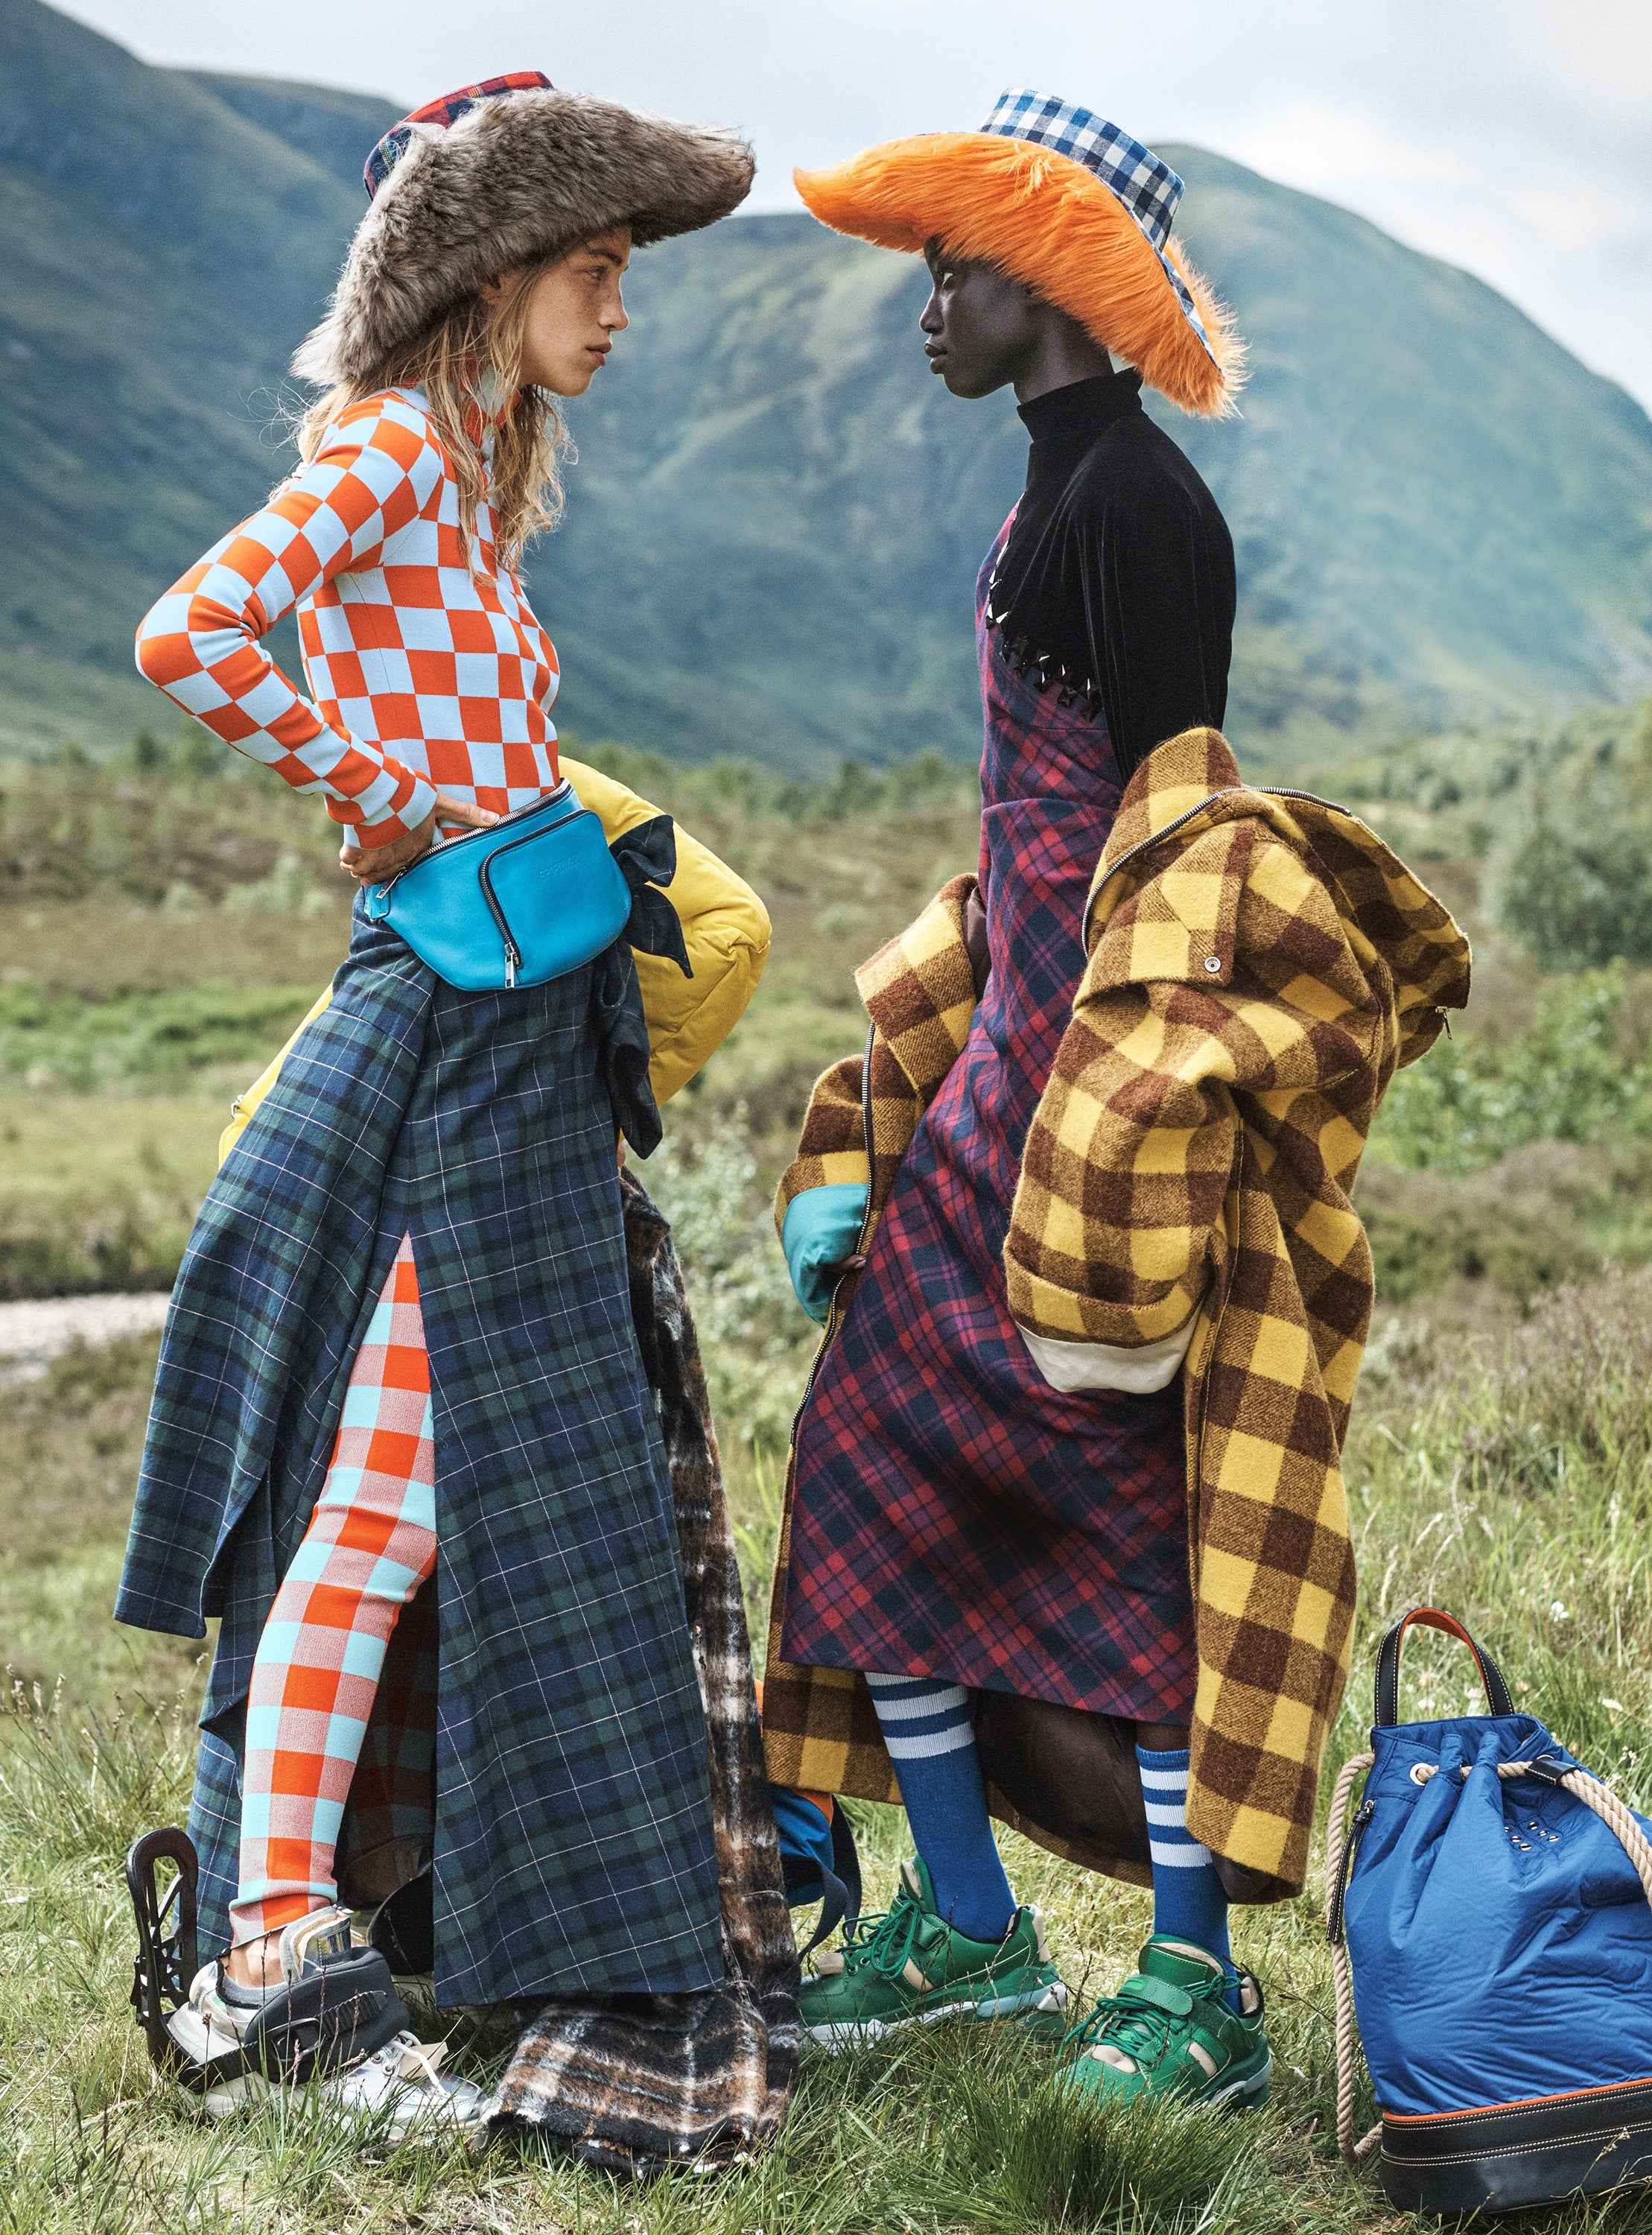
point(424, 674)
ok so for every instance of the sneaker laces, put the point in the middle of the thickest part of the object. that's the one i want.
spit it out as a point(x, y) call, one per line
point(1141, 2030)
point(883, 1942)
point(406, 2058)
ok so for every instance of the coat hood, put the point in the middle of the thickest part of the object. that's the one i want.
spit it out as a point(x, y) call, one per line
point(1191, 784)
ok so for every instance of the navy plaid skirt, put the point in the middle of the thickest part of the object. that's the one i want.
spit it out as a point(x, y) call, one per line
point(572, 1840)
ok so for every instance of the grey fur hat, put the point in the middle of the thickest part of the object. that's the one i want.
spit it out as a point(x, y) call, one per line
point(515, 176)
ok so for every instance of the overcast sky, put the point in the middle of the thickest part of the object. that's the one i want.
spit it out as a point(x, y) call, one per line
point(1513, 137)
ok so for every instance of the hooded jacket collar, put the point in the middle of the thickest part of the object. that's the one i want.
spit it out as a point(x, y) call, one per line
point(1191, 785)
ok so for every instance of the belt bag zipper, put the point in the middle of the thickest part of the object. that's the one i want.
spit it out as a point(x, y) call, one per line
point(485, 878)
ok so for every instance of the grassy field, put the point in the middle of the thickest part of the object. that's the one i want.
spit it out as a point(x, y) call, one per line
point(1498, 1465)
point(165, 922)
point(1506, 1478)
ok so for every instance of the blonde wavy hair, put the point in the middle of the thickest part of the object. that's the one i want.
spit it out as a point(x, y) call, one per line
point(474, 354)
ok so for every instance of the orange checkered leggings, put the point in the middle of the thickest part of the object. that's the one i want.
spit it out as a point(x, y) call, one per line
point(370, 1543)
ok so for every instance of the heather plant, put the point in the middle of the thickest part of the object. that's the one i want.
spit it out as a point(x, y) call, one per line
point(185, 812)
point(52, 1040)
point(1571, 871)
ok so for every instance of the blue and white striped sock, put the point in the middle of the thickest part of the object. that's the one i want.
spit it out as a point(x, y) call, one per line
point(1188, 1900)
point(927, 1728)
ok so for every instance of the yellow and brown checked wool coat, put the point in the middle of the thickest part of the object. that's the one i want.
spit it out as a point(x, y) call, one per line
point(1259, 965)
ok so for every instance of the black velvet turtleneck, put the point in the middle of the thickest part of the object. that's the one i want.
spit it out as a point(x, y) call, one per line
point(1117, 581)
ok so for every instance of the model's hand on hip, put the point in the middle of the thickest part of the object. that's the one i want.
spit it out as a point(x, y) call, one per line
point(371, 865)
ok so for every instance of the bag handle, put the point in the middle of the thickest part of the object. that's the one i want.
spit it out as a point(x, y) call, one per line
point(1388, 1669)
point(1342, 1974)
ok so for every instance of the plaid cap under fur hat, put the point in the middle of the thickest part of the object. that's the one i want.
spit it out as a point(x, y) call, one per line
point(499, 175)
point(447, 109)
point(1065, 202)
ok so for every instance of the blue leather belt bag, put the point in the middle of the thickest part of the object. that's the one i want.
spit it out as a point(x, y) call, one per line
point(539, 894)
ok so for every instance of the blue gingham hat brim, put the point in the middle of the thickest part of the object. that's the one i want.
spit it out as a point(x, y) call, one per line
point(1142, 182)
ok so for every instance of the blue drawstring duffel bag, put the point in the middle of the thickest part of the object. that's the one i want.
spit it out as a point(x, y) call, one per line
point(1490, 1915)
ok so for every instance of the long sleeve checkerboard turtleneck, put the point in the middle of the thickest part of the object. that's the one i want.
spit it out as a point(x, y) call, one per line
point(426, 674)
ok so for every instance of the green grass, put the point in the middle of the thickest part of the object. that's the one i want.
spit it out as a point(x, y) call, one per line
point(69, 1459)
point(1501, 1464)
point(128, 1021)
point(1509, 1480)
point(53, 1042)
point(98, 1192)
point(171, 918)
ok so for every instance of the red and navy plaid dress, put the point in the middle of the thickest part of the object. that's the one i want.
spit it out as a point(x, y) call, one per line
point(954, 1516)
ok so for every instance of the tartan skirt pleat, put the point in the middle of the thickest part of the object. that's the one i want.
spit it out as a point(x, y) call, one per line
point(571, 1834)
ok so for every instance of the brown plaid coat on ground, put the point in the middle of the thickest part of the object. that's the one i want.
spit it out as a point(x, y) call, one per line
point(1259, 965)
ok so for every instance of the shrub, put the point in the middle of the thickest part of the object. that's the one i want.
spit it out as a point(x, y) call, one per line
point(60, 1040)
point(1547, 1212)
point(1566, 1079)
point(1570, 880)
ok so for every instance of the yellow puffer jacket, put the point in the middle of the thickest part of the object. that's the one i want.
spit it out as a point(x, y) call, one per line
point(724, 924)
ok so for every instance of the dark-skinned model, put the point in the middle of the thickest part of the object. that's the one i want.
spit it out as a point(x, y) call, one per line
point(975, 1510)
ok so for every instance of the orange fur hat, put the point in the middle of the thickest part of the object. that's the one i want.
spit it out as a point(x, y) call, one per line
point(1066, 203)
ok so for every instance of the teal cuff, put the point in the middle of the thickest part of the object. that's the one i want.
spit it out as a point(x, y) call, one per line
point(821, 1228)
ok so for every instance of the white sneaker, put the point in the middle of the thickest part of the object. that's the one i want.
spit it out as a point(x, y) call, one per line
point(398, 2089)
point(333, 2002)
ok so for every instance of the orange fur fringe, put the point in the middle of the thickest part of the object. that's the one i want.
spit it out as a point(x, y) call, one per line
point(1047, 222)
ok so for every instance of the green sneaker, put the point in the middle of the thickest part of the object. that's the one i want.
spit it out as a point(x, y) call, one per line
point(908, 1967)
point(1169, 2031)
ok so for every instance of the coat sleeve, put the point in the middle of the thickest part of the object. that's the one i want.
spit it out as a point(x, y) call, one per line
point(1222, 985)
point(725, 928)
point(1128, 1161)
point(831, 1149)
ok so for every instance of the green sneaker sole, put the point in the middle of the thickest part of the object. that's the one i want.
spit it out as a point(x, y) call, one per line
point(853, 2033)
point(1248, 2093)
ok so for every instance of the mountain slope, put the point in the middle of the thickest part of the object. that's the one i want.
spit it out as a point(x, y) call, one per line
point(334, 129)
point(158, 252)
point(1440, 514)
point(1431, 498)
point(774, 525)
